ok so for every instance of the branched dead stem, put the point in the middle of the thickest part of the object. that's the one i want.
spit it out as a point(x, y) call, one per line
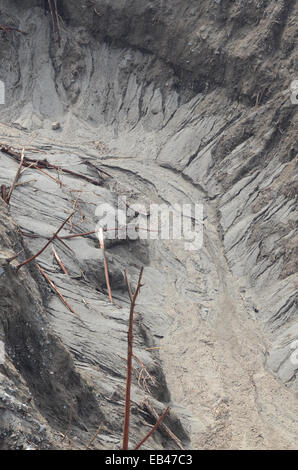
point(129, 364)
point(45, 246)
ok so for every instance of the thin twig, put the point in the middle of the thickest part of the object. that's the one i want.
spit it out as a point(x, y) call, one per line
point(73, 209)
point(142, 370)
point(102, 246)
point(142, 377)
point(86, 162)
point(24, 183)
point(82, 234)
point(170, 433)
point(128, 285)
point(57, 18)
point(69, 420)
point(4, 192)
point(53, 20)
point(9, 260)
point(45, 246)
point(129, 365)
point(32, 235)
point(56, 290)
point(66, 246)
point(59, 182)
point(95, 436)
point(11, 28)
point(16, 176)
point(58, 259)
point(115, 229)
point(75, 235)
point(157, 424)
point(44, 164)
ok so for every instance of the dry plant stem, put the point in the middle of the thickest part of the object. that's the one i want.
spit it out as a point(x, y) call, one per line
point(73, 209)
point(56, 290)
point(84, 234)
point(66, 246)
point(16, 176)
point(86, 162)
point(57, 17)
point(102, 246)
point(24, 183)
point(69, 421)
point(95, 436)
point(11, 28)
point(128, 285)
point(31, 235)
point(140, 376)
point(45, 246)
point(53, 20)
point(129, 365)
point(143, 378)
point(28, 162)
point(4, 193)
point(158, 423)
point(75, 235)
point(47, 174)
point(9, 260)
point(170, 433)
point(58, 259)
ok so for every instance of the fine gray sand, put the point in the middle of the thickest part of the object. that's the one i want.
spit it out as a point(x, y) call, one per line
point(184, 103)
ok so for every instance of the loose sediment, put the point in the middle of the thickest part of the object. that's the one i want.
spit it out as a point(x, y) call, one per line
point(173, 115)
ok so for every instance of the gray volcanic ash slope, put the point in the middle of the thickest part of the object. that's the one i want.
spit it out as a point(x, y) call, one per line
point(177, 102)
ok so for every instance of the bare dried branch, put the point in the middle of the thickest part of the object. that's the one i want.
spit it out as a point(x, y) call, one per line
point(157, 424)
point(58, 259)
point(45, 246)
point(16, 176)
point(56, 290)
point(129, 365)
point(102, 246)
point(95, 436)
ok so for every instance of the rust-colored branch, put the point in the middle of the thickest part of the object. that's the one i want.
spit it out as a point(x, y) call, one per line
point(56, 290)
point(86, 162)
point(4, 191)
point(163, 425)
point(59, 182)
point(16, 176)
point(157, 424)
point(29, 162)
point(129, 365)
point(12, 258)
point(75, 235)
point(128, 285)
point(85, 234)
point(58, 259)
point(102, 246)
point(144, 375)
point(69, 420)
point(66, 246)
point(53, 20)
point(95, 436)
point(8, 29)
point(45, 246)
point(57, 17)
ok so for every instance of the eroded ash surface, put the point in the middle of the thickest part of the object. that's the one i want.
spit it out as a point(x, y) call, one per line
point(177, 102)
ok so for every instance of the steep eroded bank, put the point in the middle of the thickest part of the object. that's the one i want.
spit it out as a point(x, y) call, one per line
point(179, 104)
